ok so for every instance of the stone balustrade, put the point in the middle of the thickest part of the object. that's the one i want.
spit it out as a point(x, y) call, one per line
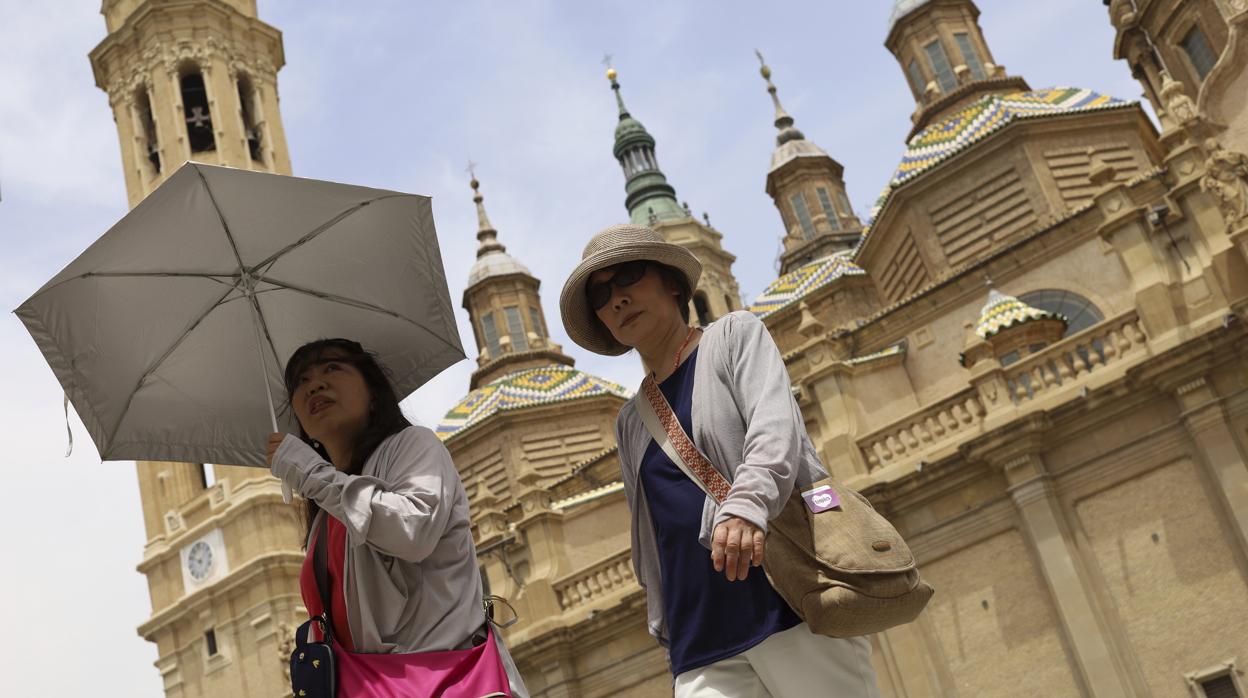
point(1063, 364)
point(1074, 358)
point(596, 581)
point(922, 430)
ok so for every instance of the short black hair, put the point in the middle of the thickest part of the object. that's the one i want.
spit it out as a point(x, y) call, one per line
point(674, 278)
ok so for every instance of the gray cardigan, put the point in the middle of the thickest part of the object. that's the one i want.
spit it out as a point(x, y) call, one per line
point(748, 425)
point(410, 577)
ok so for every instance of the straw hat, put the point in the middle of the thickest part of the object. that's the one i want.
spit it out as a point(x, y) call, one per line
point(617, 244)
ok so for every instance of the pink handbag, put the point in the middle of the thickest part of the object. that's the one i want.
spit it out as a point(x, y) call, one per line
point(476, 672)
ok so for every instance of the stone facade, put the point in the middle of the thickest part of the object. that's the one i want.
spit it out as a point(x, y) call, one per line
point(1031, 360)
point(1064, 449)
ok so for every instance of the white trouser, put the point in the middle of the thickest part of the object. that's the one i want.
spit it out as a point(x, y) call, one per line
point(795, 662)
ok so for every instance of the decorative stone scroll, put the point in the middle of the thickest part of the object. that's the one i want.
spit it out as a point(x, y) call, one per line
point(1226, 178)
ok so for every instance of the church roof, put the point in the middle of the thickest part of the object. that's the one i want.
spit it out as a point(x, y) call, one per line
point(958, 132)
point(804, 280)
point(902, 8)
point(526, 388)
point(495, 263)
point(1002, 312)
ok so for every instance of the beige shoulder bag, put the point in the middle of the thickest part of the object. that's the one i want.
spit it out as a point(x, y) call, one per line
point(845, 571)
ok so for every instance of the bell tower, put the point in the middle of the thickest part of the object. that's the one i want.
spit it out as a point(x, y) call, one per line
point(808, 188)
point(191, 81)
point(506, 312)
point(946, 59)
point(197, 80)
point(651, 201)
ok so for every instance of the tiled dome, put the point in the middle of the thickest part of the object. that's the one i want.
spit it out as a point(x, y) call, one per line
point(954, 134)
point(534, 386)
point(1004, 311)
point(800, 282)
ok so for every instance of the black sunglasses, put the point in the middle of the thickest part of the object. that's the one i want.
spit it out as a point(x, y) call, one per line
point(626, 274)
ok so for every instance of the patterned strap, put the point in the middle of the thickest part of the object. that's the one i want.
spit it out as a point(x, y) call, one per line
point(671, 436)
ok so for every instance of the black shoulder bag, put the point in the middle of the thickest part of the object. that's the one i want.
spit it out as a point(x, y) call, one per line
point(312, 672)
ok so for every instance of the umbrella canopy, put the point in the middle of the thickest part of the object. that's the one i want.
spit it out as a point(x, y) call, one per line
point(157, 330)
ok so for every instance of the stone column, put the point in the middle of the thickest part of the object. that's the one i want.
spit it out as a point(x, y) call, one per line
point(1148, 266)
point(1032, 493)
point(1205, 419)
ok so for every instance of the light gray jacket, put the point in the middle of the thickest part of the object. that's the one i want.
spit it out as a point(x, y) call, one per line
point(410, 577)
point(748, 425)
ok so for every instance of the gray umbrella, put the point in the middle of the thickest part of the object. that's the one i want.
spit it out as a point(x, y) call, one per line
point(166, 332)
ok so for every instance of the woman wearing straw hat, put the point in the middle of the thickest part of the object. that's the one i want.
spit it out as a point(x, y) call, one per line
point(727, 632)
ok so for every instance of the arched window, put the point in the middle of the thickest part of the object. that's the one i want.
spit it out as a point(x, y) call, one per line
point(251, 125)
point(702, 308)
point(147, 128)
point(195, 110)
point(1079, 312)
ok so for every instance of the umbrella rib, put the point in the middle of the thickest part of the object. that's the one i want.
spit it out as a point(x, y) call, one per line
point(320, 229)
point(152, 369)
point(139, 275)
point(225, 227)
point(363, 305)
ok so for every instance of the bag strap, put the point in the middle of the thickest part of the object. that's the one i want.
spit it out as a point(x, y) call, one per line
point(668, 433)
point(321, 568)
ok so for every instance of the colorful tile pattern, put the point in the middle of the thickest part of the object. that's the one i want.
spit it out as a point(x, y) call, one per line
point(534, 386)
point(944, 139)
point(795, 285)
point(1004, 311)
point(894, 350)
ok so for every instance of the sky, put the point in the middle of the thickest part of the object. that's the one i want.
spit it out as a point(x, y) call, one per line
point(400, 95)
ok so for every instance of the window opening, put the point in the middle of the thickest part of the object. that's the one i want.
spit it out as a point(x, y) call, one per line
point(1079, 312)
point(248, 112)
point(1220, 687)
point(830, 213)
point(210, 640)
point(195, 110)
point(491, 334)
point(702, 308)
point(803, 215)
point(148, 123)
point(536, 318)
point(916, 78)
point(1196, 45)
point(940, 64)
point(969, 55)
point(515, 328)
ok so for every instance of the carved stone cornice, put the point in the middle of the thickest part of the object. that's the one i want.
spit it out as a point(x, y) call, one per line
point(1003, 448)
point(1031, 490)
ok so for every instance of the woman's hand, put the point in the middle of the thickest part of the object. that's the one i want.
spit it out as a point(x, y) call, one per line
point(735, 546)
point(275, 440)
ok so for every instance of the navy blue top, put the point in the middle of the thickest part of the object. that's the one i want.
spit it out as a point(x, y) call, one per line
point(708, 617)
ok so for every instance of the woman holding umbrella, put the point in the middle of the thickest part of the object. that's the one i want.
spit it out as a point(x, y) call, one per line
point(726, 630)
point(402, 570)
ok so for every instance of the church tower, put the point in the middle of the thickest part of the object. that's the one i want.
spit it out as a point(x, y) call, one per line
point(945, 58)
point(502, 301)
point(808, 188)
point(197, 80)
point(651, 201)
